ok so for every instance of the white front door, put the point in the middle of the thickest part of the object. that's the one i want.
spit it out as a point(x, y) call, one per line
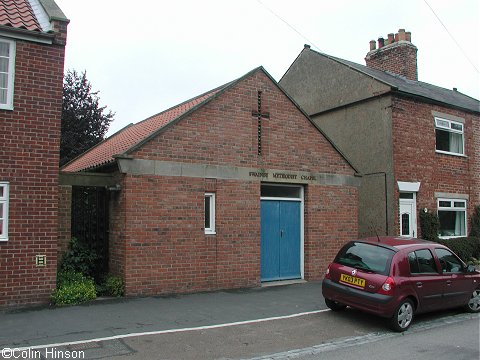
point(408, 215)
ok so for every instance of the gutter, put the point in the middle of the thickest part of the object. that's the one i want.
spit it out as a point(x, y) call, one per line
point(22, 34)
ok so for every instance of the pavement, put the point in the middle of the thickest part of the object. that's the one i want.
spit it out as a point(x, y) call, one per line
point(111, 318)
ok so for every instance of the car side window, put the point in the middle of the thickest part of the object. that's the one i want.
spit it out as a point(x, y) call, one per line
point(422, 262)
point(449, 262)
point(412, 261)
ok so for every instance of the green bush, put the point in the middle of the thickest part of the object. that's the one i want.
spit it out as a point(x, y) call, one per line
point(429, 225)
point(73, 288)
point(475, 222)
point(467, 248)
point(114, 286)
point(79, 258)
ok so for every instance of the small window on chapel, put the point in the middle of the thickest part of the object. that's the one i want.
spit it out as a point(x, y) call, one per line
point(4, 202)
point(209, 213)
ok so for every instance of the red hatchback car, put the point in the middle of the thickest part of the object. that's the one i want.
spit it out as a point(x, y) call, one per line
point(398, 277)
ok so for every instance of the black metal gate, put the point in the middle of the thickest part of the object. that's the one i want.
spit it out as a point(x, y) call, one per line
point(90, 221)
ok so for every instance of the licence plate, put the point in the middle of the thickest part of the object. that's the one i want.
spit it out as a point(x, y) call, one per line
point(352, 280)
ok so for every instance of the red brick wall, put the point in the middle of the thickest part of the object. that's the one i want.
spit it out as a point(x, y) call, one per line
point(474, 152)
point(398, 58)
point(162, 247)
point(30, 136)
point(331, 214)
point(225, 132)
point(415, 158)
point(167, 250)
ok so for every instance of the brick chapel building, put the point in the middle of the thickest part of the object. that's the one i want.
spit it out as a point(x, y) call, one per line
point(230, 189)
point(417, 145)
point(32, 48)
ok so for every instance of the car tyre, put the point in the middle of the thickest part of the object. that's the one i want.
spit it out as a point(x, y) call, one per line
point(334, 306)
point(473, 304)
point(403, 316)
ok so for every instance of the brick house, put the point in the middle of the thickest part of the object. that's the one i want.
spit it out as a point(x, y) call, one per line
point(229, 189)
point(417, 145)
point(32, 47)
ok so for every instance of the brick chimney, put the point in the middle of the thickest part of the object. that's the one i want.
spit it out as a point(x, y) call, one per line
point(395, 54)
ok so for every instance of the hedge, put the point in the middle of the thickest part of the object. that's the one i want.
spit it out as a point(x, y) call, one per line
point(467, 248)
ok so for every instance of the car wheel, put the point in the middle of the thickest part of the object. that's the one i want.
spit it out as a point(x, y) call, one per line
point(403, 316)
point(473, 304)
point(334, 306)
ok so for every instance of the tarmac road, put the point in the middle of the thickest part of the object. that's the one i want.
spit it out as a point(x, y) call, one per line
point(289, 322)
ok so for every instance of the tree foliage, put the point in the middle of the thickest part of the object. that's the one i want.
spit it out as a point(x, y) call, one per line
point(84, 121)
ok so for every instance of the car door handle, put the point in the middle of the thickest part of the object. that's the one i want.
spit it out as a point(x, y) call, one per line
point(449, 282)
point(419, 284)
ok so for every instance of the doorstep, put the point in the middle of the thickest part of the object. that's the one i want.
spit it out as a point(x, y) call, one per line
point(283, 282)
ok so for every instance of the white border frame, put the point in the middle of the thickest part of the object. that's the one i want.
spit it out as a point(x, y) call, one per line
point(413, 202)
point(11, 75)
point(300, 199)
point(210, 230)
point(5, 200)
point(449, 129)
point(465, 209)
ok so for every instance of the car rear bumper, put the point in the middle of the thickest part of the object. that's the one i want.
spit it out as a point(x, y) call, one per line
point(378, 304)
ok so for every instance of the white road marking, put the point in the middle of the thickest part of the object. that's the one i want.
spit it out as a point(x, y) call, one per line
point(171, 331)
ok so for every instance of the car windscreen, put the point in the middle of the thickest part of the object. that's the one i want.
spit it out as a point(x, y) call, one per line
point(366, 257)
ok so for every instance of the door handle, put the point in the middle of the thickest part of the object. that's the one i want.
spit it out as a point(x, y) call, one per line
point(419, 284)
point(281, 233)
point(449, 282)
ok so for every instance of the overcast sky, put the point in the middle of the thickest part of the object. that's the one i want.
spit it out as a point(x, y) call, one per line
point(145, 56)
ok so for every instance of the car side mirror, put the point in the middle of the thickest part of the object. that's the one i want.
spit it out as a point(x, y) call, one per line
point(471, 269)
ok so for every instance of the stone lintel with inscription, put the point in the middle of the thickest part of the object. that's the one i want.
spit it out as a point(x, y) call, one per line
point(168, 168)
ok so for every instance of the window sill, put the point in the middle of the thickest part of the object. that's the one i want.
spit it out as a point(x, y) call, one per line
point(6, 107)
point(452, 237)
point(212, 232)
point(451, 154)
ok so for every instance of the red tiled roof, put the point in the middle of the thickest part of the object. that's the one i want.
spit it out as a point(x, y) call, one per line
point(18, 14)
point(133, 134)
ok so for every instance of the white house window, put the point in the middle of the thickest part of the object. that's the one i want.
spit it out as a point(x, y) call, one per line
point(4, 187)
point(209, 213)
point(7, 70)
point(452, 214)
point(449, 136)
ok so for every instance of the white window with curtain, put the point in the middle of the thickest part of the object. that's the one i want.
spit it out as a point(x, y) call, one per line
point(452, 214)
point(4, 203)
point(209, 213)
point(7, 70)
point(449, 137)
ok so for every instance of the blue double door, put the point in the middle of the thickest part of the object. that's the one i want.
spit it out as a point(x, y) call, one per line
point(280, 240)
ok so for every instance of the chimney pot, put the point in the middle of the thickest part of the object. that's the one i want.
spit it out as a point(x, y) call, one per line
point(381, 42)
point(399, 58)
point(455, 89)
point(373, 45)
point(391, 38)
point(306, 46)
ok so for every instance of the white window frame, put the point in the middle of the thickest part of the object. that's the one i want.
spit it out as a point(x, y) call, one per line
point(11, 75)
point(5, 200)
point(453, 208)
point(211, 228)
point(446, 125)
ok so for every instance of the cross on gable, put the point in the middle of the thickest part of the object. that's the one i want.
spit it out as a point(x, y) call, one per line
point(260, 115)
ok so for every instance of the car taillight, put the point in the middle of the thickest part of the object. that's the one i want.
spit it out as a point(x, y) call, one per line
point(387, 287)
point(327, 274)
